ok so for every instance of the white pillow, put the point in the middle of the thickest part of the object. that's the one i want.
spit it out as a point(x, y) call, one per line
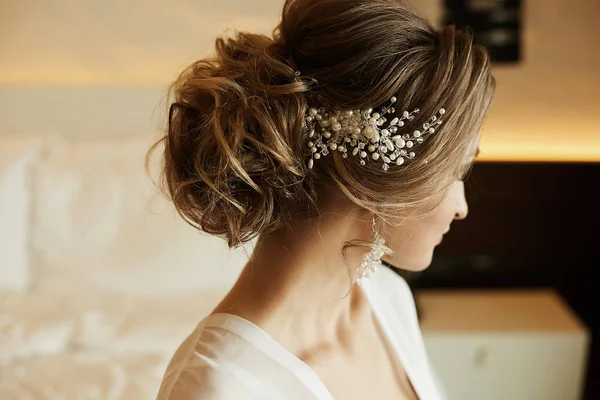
point(88, 375)
point(41, 323)
point(100, 223)
point(17, 159)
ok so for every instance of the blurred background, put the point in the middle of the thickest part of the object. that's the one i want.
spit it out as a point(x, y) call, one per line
point(93, 261)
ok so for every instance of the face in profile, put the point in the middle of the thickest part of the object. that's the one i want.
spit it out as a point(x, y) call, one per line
point(415, 240)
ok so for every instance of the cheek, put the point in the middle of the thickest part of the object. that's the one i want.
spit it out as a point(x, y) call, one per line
point(421, 234)
point(447, 210)
point(433, 225)
point(445, 213)
point(414, 238)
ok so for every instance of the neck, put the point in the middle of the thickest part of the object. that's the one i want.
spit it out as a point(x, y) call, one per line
point(298, 285)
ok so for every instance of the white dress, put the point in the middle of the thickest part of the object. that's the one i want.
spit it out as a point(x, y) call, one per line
point(228, 357)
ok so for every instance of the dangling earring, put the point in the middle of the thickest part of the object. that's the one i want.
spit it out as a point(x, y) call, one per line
point(372, 259)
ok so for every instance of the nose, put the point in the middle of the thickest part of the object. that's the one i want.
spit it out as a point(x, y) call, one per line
point(462, 208)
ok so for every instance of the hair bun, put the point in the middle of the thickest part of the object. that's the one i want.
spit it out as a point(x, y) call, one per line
point(232, 160)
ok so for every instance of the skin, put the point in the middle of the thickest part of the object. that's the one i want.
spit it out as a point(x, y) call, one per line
point(413, 242)
point(295, 287)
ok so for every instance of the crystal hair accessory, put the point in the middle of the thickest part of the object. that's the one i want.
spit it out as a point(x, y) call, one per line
point(364, 134)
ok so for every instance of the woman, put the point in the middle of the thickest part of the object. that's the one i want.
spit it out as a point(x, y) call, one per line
point(338, 143)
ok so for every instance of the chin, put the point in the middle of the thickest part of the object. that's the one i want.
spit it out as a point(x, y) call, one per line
point(420, 267)
point(412, 265)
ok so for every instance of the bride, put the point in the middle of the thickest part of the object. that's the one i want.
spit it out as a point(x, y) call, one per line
point(340, 141)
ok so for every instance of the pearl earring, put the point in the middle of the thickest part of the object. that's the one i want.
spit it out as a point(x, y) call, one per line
point(372, 259)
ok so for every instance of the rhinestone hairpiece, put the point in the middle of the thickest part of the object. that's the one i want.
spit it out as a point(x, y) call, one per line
point(366, 132)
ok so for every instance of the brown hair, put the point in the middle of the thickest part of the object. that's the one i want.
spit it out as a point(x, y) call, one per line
point(234, 157)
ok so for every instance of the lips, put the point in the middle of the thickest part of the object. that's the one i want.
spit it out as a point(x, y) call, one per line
point(442, 237)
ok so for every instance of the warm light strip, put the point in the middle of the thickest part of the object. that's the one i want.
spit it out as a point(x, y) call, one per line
point(542, 151)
